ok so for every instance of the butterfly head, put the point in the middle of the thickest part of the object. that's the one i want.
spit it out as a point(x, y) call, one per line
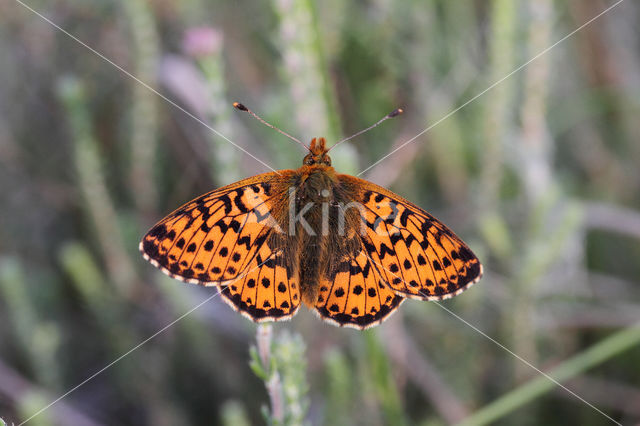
point(317, 153)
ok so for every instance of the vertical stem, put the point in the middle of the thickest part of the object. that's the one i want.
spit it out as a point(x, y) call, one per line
point(78, 262)
point(36, 339)
point(98, 204)
point(304, 71)
point(436, 95)
point(503, 34)
point(281, 364)
point(302, 66)
point(206, 46)
point(144, 119)
point(536, 144)
point(553, 224)
point(264, 337)
point(504, 20)
point(536, 176)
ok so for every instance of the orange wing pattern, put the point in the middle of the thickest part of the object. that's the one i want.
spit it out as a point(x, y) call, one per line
point(417, 255)
point(267, 290)
point(356, 295)
point(225, 238)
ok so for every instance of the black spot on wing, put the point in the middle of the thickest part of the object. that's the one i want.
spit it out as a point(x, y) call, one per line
point(354, 318)
point(180, 243)
point(250, 308)
point(404, 217)
point(158, 232)
point(384, 250)
point(237, 200)
point(150, 248)
point(235, 225)
point(227, 203)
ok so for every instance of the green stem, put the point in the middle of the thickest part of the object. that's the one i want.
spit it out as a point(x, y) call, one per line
point(225, 158)
point(98, 204)
point(281, 364)
point(596, 354)
point(144, 114)
point(503, 37)
point(38, 339)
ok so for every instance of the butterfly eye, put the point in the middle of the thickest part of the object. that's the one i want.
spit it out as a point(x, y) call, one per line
point(326, 160)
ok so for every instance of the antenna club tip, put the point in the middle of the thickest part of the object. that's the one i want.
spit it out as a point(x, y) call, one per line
point(396, 112)
point(238, 105)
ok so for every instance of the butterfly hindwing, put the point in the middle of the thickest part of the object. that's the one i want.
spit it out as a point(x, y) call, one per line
point(355, 295)
point(268, 289)
point(223, 238)
point(417, 255)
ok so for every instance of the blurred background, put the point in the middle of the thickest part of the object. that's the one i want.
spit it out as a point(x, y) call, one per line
point(540, 175)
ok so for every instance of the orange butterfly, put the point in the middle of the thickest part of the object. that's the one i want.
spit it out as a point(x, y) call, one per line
point(349, 249)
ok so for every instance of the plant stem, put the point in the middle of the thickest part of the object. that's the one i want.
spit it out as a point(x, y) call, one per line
point(281, 364)
point(596, 354)
point(144, 111)
point(98, 204)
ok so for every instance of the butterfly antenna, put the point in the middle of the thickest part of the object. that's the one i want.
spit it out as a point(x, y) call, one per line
point(241, 107)
point(396, 112)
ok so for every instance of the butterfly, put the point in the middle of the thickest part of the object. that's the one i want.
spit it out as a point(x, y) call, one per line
point(348, 249)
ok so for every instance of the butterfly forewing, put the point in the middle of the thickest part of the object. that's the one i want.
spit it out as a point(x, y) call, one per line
point(225, 237)
point(417, 255)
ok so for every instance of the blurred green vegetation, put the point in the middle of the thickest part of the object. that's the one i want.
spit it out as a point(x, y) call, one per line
point(540, 176)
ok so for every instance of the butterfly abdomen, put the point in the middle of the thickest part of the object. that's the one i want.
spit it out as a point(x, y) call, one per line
point(313, 199)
